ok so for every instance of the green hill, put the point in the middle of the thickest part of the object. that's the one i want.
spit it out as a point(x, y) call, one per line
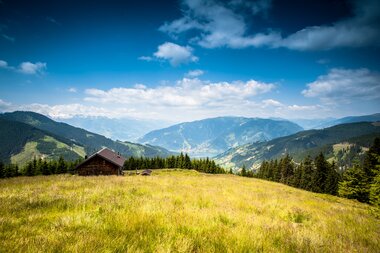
point(85, 142)
point(21, 142)
point(335, 142)
point(178, 211)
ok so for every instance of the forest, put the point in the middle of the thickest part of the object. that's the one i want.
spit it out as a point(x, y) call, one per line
point(360, 182)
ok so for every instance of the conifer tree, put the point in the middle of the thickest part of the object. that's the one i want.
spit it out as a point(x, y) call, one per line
point(354, 184)
point(2, 171)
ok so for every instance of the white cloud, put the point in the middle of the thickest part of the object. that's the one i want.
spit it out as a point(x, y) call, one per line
point(72, 90)
point(32, 68)
point(304, 107)
point(3, 64)
point(186, 93)
point(219, 24)
point(175, 54)
point(65, 111)
point(145, 58)
point(195, 73)
point(345, 85)
point(224, 24)
point(4, 103)
point(271, 102)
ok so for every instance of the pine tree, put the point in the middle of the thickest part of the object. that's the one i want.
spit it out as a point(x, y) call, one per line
point(307, 174)
point(374, 195)
point(332, 180)
point(2, 172)
point(354, 184)
point(61, 166)
point(287, 170)
point(320, 173)
point(187, 162)
point(29, 169)
point(243, 171)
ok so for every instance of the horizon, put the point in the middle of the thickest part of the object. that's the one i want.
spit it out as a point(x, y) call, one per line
point(181, 61)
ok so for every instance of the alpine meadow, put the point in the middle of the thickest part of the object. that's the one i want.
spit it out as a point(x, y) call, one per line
point(190, 126)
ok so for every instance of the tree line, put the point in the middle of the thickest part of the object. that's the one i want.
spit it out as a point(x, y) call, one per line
point(49, 167)
point(181, 161)
point(360, 182)
point(38, 167)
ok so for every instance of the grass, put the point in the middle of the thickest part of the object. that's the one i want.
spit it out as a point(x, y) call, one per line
point(178, 211)
point(29, 150)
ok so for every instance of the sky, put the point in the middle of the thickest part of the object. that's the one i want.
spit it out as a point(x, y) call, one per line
point(192, 59)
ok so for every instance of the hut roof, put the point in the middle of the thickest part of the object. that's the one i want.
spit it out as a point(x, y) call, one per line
point(108, 155)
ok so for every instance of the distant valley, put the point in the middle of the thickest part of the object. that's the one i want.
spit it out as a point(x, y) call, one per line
point(210, 137)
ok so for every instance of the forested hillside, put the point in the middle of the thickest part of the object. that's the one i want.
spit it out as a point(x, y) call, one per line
point(336, 143)
point(91, 142)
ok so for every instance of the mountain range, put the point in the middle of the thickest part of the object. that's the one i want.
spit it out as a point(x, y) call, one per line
point(212, 136)
point(28, 134)
point(124, 129)
point(335, 142)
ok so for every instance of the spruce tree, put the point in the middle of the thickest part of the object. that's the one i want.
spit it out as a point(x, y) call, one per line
point(307, 174)
point(332, 180)
point(2, 172)
point(374, 195)
point(320, 173)
point(354, 184)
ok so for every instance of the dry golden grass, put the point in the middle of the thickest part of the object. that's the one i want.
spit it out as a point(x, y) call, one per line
point(178, 211)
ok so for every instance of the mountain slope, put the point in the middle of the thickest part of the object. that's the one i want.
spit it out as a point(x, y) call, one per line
point(212, 136)
point(301, 144)
point(21, 142)
point(90, 141)
point(351, 119)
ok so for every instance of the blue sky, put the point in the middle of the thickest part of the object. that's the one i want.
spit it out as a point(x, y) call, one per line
point(187, 60)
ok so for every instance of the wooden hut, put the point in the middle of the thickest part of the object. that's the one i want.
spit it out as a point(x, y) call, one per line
point(103, 162)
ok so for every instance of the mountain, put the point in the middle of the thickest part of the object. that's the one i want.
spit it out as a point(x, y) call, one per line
point(335, 142)
point(212, 136)
point(312, 123)
point(124, 129)
point(90, 142)
point(351, 119)
point(21, 142)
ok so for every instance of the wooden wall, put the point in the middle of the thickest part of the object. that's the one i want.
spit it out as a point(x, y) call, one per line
point(97, 166)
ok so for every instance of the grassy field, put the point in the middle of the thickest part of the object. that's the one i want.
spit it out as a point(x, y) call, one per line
point(178, 211)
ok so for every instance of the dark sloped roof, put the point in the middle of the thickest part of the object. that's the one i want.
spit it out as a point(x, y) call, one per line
point(108, 155)
point(111, 156)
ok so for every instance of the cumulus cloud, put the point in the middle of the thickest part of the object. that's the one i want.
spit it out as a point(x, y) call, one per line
point(186, 93)
point(195, 73)
point(345, 85)
point(72, 90)
point(223, 24)
point(32, 68)
point(219, 24)
point(175, 54)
